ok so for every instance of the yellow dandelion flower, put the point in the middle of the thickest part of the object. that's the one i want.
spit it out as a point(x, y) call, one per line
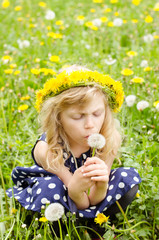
point(48, 28)
point(37, 60)
point(41, 43)
point(54, 59)
point(134, 20)
point(98, 1)
point(137, 195)
point(23, 107)
point(6, 58)
point(156, 7)
point(92, 10)
point(42, 4)
point(80, 18)
point(114, 1)
point(59, 22)
point(35, 71)
point(116, 14)
point(149, 19)
point(5, 4)
point(93, 27)
point(137, 80)
point(19, 19)
point(13, 65)
point(55, 35)
point(155, 103)
point(104, 19)
point(17, 72)
point(131, 53)
point(107, 10)
point(127, 72)
point(101, 218)
point(136, 2)
point(8, 71)
point(156, 36)
point(27, 97)
point(13, 211)
point(31, 25)
point(18, 8)
point(125, 21)
point(147, 69)
point(88, 24)
point(2, 89)
point(43, 219)
point(110, 24)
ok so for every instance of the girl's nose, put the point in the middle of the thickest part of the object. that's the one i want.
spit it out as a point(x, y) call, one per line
point(88, 122)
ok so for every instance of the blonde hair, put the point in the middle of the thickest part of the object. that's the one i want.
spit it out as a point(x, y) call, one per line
point(57, 139)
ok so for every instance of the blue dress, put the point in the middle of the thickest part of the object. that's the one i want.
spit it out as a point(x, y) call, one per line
point(35, 187)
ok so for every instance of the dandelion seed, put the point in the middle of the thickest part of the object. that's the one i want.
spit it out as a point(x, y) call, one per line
point(54, 212)
point(23, 225)
point(96, 140)
point(130, 100)
point(142, 105)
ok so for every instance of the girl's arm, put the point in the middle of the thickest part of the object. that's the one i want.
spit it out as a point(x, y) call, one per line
point(40, 153)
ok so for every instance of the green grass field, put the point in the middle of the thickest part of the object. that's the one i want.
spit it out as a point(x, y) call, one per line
point(116, 37)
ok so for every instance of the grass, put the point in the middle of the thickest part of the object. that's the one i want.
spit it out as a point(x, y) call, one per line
point(83, 45)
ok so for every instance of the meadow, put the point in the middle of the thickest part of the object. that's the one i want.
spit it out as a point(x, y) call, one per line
point(116, 37)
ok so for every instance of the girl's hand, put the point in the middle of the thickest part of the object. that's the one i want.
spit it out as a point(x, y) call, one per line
point(96, 169)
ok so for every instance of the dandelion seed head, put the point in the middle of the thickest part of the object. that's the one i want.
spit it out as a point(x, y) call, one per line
point(54, 212)
point(96, 140)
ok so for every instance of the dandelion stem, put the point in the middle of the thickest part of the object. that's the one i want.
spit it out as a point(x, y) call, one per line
point(61, 237)
point(3, 185)
point(76, 230)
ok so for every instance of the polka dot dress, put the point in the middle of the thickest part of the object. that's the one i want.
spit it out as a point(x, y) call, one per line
point(34, 187)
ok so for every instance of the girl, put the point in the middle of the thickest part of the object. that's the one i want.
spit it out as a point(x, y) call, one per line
point(73, 106)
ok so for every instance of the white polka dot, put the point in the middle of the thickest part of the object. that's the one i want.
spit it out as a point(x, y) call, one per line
point(124, 174)
point(32, 173)
point(14, 176)
point(118, 196)
point(126, 167)
point(81, 214)
point(64, 187)
point(19, 183)
point(40, 168)
point(132, 185)
point(33, 206)
point(72, 160)
point(113, 171)
point(33, 167)
point(64, 198)
point(26, 207)
point(93, 207)
point(22, 176)
point(105, 209)
point(47, 178)
point(17, 197)
point(24, 173)
point(16, 170)
point(112, 178)
point(136, 179)
point(121, 185)
point(65, 155)
point(84, 156)
point(88, 210)
point(97, 213)
point(29, 190)
point(28, 199)
point(111, 187)
point(136, 170)
point(9, 190)
point(109, 198)
point(44, 200)
point(31, 200)
point(41, 175)
point(56, 196)
point(52, 185)
point(20, 188)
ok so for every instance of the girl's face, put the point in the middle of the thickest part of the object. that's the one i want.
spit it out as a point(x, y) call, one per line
point(80, 122)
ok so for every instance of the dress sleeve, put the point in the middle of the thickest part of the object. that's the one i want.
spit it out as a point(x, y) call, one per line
point(41, 138)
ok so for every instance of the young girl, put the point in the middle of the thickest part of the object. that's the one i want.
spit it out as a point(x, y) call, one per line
point(73, 106)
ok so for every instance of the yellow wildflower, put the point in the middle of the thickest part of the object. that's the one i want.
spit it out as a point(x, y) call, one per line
point(27, 97)
point(107, 10)
point(5, 4)
point(8, 71)
point(59, 22)
point(35, 71)
point(42, 4)
point(2, 89)
point(147, 69)
point(136, 2)
point(134, 20)
point(98, 1)
point(155, 103)
point(125, 21)
point(19, 19)
point(55, 35)
point(104, 19)
point(13, 211)
point(6, 58)
point(137, 80)
point(80, 18)
point(13, 65)
point(18, 8)
point(156, 7)
point(17, 72)
point(110, 24)
point(54, 58)
point(116, 14)
point(137, 195)
point(41, 43)
point(149, 19)
point(127, 72)
point(92, 10)
point(31, 25)
point(101, 218)
point(23, 107)
point(131, 53)
point(114, 1)
point(156, 36)
point(43, 219)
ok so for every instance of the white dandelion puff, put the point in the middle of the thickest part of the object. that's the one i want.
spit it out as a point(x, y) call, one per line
point(96, 140)
point(148, 38)
point(142, 105)
point(157, 107)
point(54, 212)
point(118, 22)
point(49, 15)
point(144, 63)
point(130, 100)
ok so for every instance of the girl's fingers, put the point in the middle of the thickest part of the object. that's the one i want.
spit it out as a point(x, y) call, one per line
point(95, 173)
point(100, 178)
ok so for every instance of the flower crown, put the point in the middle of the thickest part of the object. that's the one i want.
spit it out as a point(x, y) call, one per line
point(81, 78)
